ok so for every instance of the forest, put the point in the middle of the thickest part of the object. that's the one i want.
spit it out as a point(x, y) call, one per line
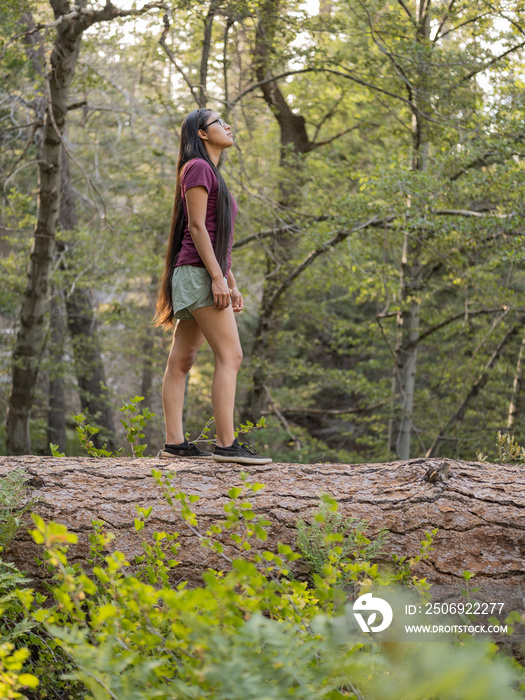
point(378, 170)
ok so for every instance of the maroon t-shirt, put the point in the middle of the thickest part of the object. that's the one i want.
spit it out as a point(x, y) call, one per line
point(199, 173)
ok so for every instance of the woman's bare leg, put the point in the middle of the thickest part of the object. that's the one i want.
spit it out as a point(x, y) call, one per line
point(187, 339)
point(220, 330)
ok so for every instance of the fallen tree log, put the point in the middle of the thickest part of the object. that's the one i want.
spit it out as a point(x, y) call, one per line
point(478, 509)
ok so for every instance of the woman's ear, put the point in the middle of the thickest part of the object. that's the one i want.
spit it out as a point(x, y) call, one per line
point(202, 134)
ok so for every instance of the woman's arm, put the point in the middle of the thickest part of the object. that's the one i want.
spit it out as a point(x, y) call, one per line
point(237, 300)
point(196, 203)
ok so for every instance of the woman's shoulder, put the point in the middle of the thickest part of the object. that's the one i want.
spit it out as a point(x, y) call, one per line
point(198, 172)
point(197, 165)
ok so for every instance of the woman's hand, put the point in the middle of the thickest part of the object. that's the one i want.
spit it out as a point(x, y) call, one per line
point(221, 293)
point(237, 300)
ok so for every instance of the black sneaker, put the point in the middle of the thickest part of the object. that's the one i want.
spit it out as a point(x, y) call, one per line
point(239, 453)
point(186, 450)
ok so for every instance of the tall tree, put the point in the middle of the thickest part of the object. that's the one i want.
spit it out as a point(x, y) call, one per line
point(83, 330)
point(70, 24)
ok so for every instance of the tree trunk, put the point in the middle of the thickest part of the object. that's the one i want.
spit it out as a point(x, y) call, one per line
point(294, 144)
point(148, 361)
point(56, 417)
point(205, 54)
point(517, 388)
point(31, 332)
point(89, 365)
point(478, 511)
point(70, 26)
point(404, 380)
point(411, 271)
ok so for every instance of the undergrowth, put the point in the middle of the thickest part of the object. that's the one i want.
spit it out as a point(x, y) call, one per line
point(134, 630)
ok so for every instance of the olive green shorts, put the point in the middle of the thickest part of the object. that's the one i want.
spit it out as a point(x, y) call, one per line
point(190, 290)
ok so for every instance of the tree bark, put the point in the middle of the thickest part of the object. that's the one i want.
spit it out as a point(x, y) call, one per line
point(516, 400)
point(478, 511)
point(205, 54)
point(294, 144)
point(56, 416)
point(82, 325)
point(89, 367)
point(30, 336)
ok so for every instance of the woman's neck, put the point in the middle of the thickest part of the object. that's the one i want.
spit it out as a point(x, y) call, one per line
point(214, 154)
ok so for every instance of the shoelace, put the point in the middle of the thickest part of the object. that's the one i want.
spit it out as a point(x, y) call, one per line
point(248, 448)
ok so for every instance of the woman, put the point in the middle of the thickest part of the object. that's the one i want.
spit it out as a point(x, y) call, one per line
point(199, 289)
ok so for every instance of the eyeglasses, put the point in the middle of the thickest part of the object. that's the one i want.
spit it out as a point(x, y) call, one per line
point(221, 122)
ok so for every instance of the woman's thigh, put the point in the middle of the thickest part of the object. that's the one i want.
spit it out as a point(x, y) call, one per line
point(187, 339)
point(220, 330)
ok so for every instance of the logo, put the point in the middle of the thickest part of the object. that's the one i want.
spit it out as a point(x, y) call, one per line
point(374, 605)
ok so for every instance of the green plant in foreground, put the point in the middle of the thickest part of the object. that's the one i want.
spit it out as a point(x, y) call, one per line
point(243, 429)
point(14, 503)
point(134, 424)
point(55, 450)
point(11, 680)
point(330, 533)
point(85, 432)
point(509, 450)
point(247, 633)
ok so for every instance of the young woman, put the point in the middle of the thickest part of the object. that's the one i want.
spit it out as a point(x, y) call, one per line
point(199, 290)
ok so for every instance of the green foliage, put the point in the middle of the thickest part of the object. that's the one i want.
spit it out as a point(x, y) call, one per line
point(11, 680)
point(126, 631)
point(134, 424)
point(14, 624)
point(55, 451)
point(329, 533)
point(85, 432)
point(509, 450)
point(406, 565)
point(246, 428)
point(242, 429)
point(15, 501)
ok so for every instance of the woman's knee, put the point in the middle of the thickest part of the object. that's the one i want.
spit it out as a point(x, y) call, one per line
point(232, 358)
point(237, 358)
point(180, 362)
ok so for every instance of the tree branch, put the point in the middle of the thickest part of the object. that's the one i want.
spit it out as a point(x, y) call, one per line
point(110, 12)
point(314, 254)
point(491, 62)
point(274, 409)
point(397, 67)
point(443, 20)
point(316, 144)
point(476, 387)
point(275, 231)
point(457, 317)
point(467, 213)
point(463, 24)
point(330, 411)
point(344, 74)
point(162, 42)
point(405, 8)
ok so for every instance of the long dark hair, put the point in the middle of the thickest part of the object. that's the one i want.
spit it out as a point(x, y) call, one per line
point(192, 146)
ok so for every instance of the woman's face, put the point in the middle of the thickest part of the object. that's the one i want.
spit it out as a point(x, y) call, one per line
point(218, 132)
